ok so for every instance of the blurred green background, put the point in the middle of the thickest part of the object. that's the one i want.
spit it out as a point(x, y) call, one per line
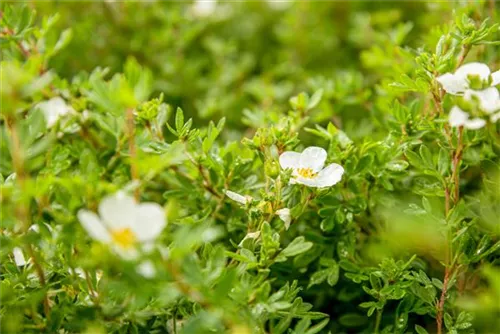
point(254, 54)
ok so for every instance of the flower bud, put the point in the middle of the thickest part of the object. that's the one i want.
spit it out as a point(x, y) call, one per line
point(271, 168)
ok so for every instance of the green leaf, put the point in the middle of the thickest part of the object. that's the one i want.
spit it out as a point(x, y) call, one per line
point(364, 163)
point(327, 224)
point(179, 120)
point(318, 327)
point(437, 283)
point(448, 321)
point(333, 274)
point(352, 320)
point(443, 162)
point(315, 99)
point(318, 277)
point(397, 166)
point(420, 330)
point(296, 247)
point(426, 156)
point(349, 266)
point(415, 160)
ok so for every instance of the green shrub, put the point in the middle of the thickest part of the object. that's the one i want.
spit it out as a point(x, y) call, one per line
point(250, 167)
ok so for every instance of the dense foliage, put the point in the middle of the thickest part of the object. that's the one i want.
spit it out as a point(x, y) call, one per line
point(152, 181)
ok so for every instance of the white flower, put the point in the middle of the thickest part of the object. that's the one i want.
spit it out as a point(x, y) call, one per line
point(489, 98)
point(458, 117)
point(53, 109)
point(279, 4)
point(238, 198)
point(308, 168)
point(203, 8)
point(285, 216)
point(459, 84)
point(495, 78)
point(19, 257)
point(495, 117)
point(123, 223)
point(146, 269)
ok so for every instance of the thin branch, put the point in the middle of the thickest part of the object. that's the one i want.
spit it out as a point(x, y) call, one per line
point(22, 212)
point(440, 306)
point(132, 149)
point(455, 178)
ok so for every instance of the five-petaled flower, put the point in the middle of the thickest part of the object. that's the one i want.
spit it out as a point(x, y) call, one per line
point(473, 81)
point(124, 224)
point(307, 168)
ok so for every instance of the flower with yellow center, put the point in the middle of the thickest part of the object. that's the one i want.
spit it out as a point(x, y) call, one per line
point(123, 223)
point(307, 168)
point(306, 173)
point(124, 237)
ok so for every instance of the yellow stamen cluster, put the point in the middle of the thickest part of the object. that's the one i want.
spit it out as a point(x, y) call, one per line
point(124, 237)
point(307, 173)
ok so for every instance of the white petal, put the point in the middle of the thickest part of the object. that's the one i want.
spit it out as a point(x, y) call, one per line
point(495, 78)
point(146, 269)
point(35, 228)
point(451, 84)
point(126, 253)
point(475, 123)
point(149, 221)
point(489, 98)
point(278, 4)
point(329, 176)
point(251, 235)
point(495, 117)
point(53, 109)
point(313, 157)
point(305, 181)
point(148, 246)
point(98, 275)
point(19, 257)
point(79, 272)
point(92, 224)
point(51, 118)
point(290, 160)
point(204, 8)
point(479, 69)
point(285, 216)
point(237, 197)
point(457, 117)
point(118, 210)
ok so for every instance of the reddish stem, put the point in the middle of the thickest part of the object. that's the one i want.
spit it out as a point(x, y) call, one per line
point(440, 306)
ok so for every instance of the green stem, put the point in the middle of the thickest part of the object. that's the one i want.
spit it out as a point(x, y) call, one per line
point(132, 150)
point(378, 320)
